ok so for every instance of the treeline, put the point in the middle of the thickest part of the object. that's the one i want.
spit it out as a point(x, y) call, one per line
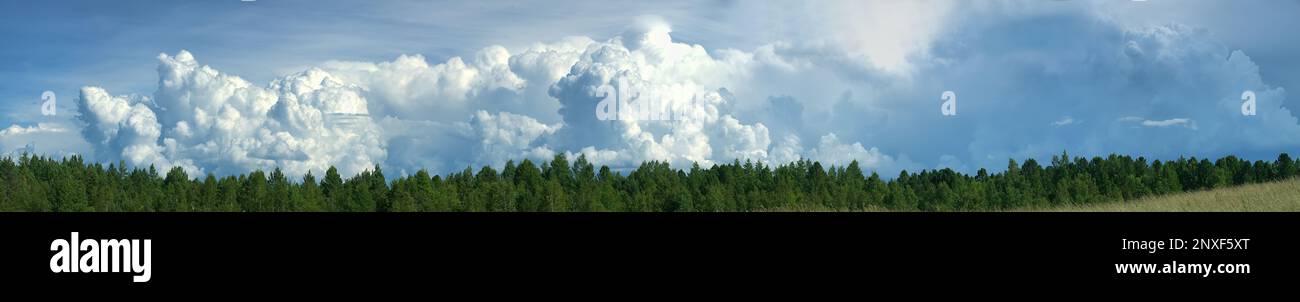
point(35, 183)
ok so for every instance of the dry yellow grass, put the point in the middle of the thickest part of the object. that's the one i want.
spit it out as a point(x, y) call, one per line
point(1282, 196)
point(824, 209)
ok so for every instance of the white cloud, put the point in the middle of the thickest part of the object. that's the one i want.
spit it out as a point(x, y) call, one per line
point(205, 120)
point(1138, 121)
point(54, 139)
point(1063, 121)
point(788, 150)
point(648, 64)
point(506, 136)
point(1170, 122)
point(16, 129)
point(208, 121)
point(1017, 70)
point(409, 87)
point(883, 34)
point(122, 127)
point(831, 151)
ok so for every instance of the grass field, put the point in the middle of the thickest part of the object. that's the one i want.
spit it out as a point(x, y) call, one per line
point(1283, 196)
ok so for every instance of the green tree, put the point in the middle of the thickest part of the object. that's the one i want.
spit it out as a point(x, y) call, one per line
point(332, 188)
point(253, 195)
point(177, 187)
point(313, 198)
point(529, 179)
point(1285, 167)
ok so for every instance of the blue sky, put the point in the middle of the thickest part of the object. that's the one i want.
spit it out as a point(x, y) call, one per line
point(230, 86)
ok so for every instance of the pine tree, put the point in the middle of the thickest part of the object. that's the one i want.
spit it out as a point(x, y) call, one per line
point(332, 188)
point(209, 194)
point(279, 193)
point(35, 183)
point(378, 188)
point(313, 199)
point(177, 186)
point(1285, 167)
point(403, 198)
point(529, 179)
point(253, 195)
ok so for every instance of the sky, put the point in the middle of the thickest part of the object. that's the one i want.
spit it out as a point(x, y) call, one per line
point(228, 86)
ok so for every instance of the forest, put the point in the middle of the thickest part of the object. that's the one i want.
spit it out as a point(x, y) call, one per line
point(41, 184)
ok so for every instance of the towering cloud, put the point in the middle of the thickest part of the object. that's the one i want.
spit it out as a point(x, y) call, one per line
point(1031, 83)
point(206, 121)
point(645, 65)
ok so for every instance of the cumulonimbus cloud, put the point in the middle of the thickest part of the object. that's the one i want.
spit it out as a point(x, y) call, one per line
point(207, 121)
point(1023, 94)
